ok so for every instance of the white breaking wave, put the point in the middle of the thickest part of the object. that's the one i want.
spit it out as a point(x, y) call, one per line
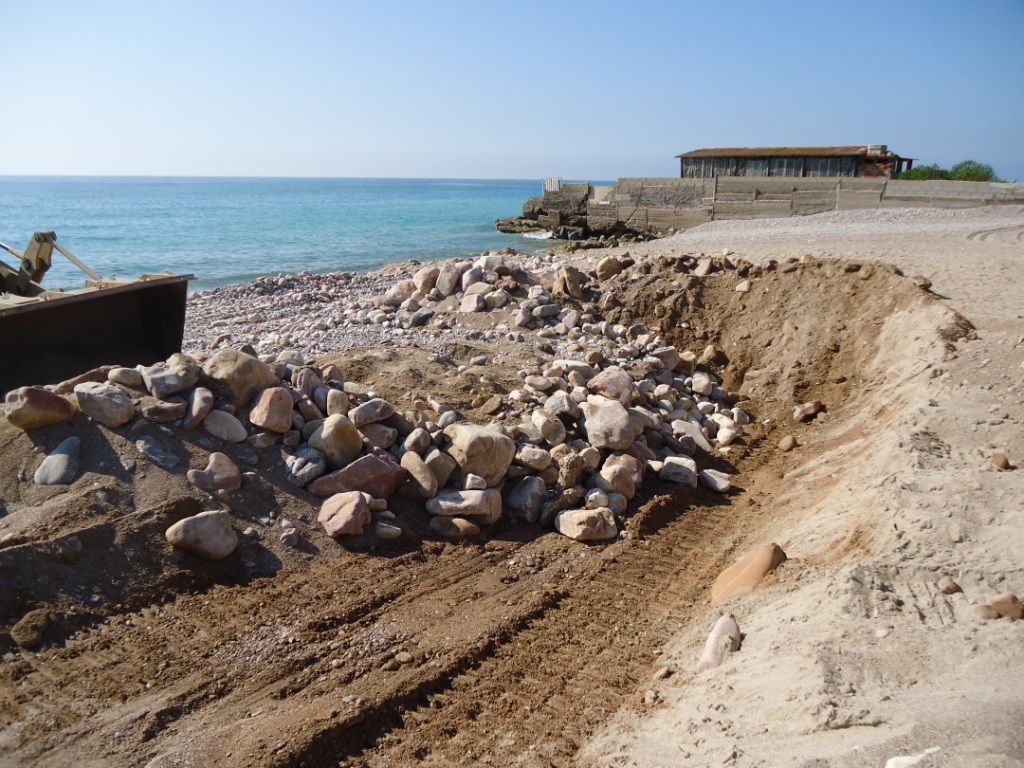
point(539, 235)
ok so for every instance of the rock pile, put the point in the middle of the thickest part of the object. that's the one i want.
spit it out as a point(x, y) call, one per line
point(572, 448)
point(587, 438)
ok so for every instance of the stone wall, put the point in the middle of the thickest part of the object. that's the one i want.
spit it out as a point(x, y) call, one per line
point(660, 204)
point(657, 205)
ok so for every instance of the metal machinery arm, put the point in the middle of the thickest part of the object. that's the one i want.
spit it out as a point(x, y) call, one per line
point(34, 263)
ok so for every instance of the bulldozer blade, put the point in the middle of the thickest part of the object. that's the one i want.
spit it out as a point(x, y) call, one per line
point(50, 340)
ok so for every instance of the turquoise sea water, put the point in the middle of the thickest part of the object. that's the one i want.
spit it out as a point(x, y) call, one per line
point(227, 230)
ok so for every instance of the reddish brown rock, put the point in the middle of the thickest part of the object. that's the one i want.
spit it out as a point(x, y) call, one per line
point(29, 631)
point(378, 475)
point(220, 473)
point(345, 514)
point(371, 411)
point(162, 411)
point(1000, 461)
point(421, 483)
point(1007, 606)
point(746, 573)
point(273, 410)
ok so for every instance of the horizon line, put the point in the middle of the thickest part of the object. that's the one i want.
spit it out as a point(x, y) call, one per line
point(253, 176)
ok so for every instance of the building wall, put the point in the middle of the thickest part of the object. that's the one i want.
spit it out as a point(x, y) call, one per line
point(703, 168)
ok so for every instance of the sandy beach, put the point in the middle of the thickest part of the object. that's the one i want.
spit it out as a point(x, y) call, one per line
point(845, 386)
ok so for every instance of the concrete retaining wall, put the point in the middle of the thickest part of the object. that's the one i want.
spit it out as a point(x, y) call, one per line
point(660, 204)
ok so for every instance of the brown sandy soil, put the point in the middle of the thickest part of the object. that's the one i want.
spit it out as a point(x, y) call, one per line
point(531, 649)
point(854, 656)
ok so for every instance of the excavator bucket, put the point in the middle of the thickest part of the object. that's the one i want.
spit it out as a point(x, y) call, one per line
point(54, 335)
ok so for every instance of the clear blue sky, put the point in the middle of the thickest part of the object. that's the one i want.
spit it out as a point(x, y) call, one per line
point(518, 90)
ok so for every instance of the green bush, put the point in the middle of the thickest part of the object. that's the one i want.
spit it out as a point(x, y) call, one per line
point(968, 170)
point(925, 173)
point(972, 170)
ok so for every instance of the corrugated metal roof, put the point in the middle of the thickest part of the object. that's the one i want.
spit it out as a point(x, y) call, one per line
point(859, 150)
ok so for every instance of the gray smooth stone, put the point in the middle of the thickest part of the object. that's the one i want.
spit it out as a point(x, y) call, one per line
point(61, 466)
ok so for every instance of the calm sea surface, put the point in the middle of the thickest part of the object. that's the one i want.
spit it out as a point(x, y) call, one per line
point(227, 230)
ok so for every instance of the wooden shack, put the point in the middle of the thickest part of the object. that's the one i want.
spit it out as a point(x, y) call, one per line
point(869, 160)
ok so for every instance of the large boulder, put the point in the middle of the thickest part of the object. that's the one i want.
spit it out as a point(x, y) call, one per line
point(338, 440)
point(126, 377)
point(715, 480)
point(104, 402)
point(337, 402)
point(483, 505)
point(533, 457)
point(35, 407)
point(425, 278)
point(608, 425)
point(379, 435)
point(208, 534)
point(273, 410)
point(449, 278)
point(238, 376)
point(481, 451)
point(613, 383)
point(562, 405)
point(587, 524)
point(345, 513)
point(162, 411)
point(376, 474)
